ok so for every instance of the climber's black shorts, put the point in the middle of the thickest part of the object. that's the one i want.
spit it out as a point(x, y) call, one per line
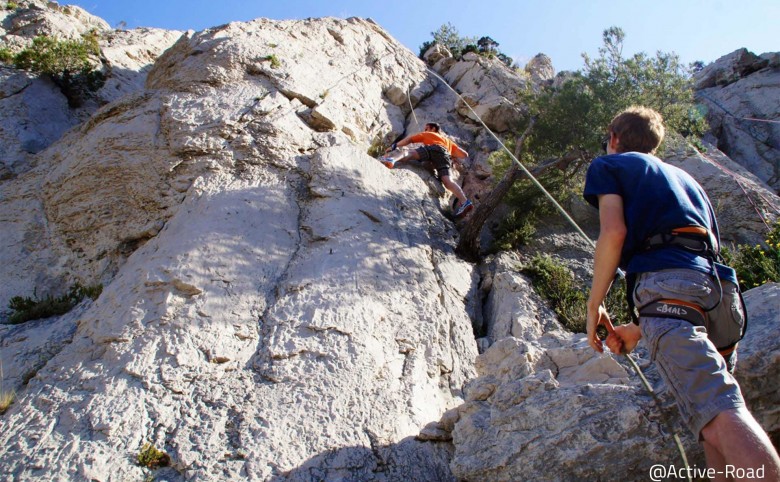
point(438, 156)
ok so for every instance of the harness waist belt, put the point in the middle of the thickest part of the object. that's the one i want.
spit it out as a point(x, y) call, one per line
point(692, 238)
point(674, 309)
point(681, 310)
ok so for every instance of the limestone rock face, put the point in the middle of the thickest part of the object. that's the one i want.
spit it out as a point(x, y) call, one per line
point(491, 89)
point(128, 55)
point(549, 408)
point(35, 111)
point(276, 305)
point(512, 307)
point(741, 200)
point(759, 358)
point(436, 53)
point(552, 409)
point(729, 69)
point(736, 90)
point(32, 18)
point(541, 69)
point(35, 114)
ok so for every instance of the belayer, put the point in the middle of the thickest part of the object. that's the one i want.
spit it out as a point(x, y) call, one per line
point(658, 225)
point(439, 150)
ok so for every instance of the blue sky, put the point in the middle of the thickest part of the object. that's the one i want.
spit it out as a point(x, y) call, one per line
point(563, 29)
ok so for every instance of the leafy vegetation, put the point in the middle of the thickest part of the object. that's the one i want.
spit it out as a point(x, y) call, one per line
point(555, 283)
point(526, 205)
point(571, 119)
point(448, 36)
point(6, 397)
point(275, 63)
point(152, 458)
point(31, 308)
point(11, 6)
point(67, 62)
point(6, 55)
point(378, 146)
point(562, 290)
point(759, 264)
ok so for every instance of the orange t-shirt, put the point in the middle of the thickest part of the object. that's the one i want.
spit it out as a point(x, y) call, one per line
point(431, 138)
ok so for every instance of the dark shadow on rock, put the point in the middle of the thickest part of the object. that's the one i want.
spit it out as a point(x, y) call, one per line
point(409, 460)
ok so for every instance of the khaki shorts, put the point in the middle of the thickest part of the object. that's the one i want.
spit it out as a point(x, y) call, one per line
point(686, 359)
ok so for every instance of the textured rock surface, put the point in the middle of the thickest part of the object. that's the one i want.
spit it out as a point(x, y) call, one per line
point(283, 306)
point(32, 18)
point(489, 87)
point(742, 202)
point(740, 92)
point(759, 358)
point(512, 307)
point(541, 69)
point(35, 111)
point(277, 305)
point(550, 408)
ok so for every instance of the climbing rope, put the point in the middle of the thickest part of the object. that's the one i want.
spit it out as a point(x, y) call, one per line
point(584, 236)
point(409, 96)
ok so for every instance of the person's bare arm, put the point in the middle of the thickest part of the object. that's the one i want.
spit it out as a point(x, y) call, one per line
point(458, 153)
point(612, 234)
point(403, 142)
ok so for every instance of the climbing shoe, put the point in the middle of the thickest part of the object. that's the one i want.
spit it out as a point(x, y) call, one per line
point(387, 161)
point(466, 207)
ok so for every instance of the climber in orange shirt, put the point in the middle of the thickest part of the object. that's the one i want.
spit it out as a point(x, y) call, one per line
point(440, 151)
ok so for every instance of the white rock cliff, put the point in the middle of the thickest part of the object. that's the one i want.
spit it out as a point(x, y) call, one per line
point(278, 305)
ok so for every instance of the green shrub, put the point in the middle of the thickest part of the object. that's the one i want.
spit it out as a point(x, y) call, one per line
point(275, 63)
point(526, 203)
point(11, 6)
point(152, 458)
point(6, 55)
point(516, 229)
point(6, 399)
point(67, 62)
point(556, 284)
point(567, 297)
point(31, 308)
point(759, 264)
point(378, 146)
point(54, 57)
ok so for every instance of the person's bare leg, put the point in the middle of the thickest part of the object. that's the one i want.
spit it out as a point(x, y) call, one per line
point(454, 188)
point(715, 461)
point(742, 443)
point(411, 156)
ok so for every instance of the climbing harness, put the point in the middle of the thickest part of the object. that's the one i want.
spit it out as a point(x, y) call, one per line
point(702, 242)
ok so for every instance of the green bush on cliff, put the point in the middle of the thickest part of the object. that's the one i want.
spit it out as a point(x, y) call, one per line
point(561, 289)
point(32, 308)
point(758, 264)
point(67, 62)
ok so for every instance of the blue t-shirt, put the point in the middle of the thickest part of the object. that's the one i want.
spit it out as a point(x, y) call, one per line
point(657, 197)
